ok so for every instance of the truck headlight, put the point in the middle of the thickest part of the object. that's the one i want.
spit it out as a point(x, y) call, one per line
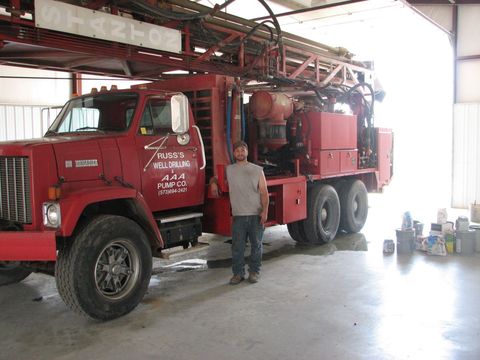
point(51, 214)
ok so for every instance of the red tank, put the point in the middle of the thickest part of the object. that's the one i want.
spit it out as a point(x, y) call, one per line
point(272, 109)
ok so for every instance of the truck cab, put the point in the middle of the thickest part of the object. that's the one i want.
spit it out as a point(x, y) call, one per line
point(138, 140)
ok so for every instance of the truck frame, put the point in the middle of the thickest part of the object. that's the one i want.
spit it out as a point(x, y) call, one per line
point(122, 175)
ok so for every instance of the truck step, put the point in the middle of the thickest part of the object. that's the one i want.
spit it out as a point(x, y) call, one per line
point(168, 219)
point(178, 251)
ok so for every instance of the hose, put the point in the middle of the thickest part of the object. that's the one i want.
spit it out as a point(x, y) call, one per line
point(143, 7)
point(371, 143)
point(149, 9)
point(276, 24)
point(243, 120)
point(354, 87)
point(229, 125)
point(319, 98)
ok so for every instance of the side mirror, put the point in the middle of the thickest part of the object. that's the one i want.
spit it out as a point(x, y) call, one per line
point(180, 113)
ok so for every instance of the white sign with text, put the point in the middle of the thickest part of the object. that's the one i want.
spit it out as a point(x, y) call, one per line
point(55, 15)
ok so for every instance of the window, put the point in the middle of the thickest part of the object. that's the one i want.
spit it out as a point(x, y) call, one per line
point(97, 113)
point(80, 119)
point(156, 117)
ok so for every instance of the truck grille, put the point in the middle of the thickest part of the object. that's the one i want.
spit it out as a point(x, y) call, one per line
point(15, 202)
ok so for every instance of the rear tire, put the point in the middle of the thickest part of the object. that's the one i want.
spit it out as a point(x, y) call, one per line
point(295, 229)
point(12, 272)
point(354, 206)
point(105, 271)
point(323, 214)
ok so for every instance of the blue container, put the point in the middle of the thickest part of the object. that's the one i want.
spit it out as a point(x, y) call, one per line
point(407, 222)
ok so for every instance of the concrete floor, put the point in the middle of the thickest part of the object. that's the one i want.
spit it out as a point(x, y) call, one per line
point(344, 300)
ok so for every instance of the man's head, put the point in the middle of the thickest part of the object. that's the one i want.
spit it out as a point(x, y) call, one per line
point(240, 151)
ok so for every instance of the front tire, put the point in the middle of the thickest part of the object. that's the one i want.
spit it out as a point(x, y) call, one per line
point(354, 205)
point(323, 214)
point(105, 271)
point(12, 272)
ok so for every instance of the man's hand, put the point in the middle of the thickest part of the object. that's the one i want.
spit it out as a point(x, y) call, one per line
point(214, 188)
point(263, 217)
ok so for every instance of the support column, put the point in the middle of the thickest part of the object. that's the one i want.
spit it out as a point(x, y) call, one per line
point(76, 84)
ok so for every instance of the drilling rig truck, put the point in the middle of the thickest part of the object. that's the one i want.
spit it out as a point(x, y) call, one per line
point(122, 175)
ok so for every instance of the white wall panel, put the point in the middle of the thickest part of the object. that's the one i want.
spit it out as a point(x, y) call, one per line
point(440, 14)
point(25, 122)
point(466, 152)
point(25, 91)
point(468, 30)
point(468, 84)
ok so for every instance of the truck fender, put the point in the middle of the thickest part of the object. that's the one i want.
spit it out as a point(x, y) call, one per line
point(73, 205)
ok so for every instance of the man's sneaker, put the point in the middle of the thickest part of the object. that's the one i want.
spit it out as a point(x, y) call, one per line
point(236, 279)
point(253, 277)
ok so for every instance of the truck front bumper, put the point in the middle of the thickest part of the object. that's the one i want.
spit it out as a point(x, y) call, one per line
point(28, 246)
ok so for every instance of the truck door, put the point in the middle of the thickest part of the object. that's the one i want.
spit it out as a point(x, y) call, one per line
point(172, 166)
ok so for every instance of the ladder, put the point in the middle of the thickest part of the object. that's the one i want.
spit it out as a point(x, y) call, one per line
point(211, 41)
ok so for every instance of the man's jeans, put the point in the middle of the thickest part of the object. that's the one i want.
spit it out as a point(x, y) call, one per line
point(243, 227)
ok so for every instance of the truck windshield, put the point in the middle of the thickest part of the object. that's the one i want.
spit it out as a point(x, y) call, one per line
point(96, 113)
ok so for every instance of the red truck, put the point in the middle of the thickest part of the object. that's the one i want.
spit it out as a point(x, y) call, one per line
point(123, 174)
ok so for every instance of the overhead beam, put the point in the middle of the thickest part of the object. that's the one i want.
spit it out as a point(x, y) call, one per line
point(33, 54)
point(444, 2)
point(310, 9)
point(292, 4)
point(126, 67)
point(82, 62)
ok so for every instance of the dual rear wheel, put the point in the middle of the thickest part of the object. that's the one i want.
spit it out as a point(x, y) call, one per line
point(329, 209)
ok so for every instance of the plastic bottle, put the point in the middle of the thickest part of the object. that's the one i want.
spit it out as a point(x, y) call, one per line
point(407, 222)
point(442, 216)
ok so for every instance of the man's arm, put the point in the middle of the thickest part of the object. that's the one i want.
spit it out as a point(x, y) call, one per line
point(262, 187)
point(214, 189)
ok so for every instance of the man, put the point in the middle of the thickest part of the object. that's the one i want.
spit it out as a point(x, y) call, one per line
point(249, 201)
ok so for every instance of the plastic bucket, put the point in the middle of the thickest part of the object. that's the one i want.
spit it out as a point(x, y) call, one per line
point(465, 242)
point(405, 241)
point(476, 228)
point(418, 226)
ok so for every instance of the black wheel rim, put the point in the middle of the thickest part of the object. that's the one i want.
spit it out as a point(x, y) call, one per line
point(117, 269)
point(356, 206)
point(324, 214)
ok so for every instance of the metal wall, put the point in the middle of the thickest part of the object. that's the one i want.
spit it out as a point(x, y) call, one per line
point(466, 152)
point(21, 86)
point(465, 31)
point(18, 122)
point(468, 54)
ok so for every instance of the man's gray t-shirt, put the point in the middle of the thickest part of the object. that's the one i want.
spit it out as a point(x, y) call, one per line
point(243, 180)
